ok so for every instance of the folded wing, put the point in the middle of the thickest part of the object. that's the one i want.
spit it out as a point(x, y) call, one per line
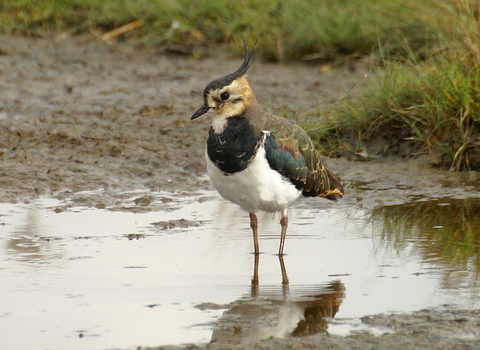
point(291, 152)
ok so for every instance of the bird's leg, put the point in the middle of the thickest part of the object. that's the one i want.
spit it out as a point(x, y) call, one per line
point(284, 223)
point(254, 226)
point(285, 280)
point(255, 276)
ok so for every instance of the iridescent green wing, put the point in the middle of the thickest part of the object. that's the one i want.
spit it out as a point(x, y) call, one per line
point(291, 152)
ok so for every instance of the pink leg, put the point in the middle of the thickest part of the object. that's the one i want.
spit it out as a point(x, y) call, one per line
point(284, 223)
point(285, 280)
point(255, 276)
point(254, 226)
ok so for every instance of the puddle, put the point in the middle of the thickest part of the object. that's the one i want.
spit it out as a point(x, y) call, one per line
point(80, 278)
point(444, 232)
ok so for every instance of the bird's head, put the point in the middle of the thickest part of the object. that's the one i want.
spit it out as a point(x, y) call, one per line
point(230, 95)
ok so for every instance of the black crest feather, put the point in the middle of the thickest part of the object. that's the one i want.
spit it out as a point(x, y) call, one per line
point(227, 79)
point(247, 61)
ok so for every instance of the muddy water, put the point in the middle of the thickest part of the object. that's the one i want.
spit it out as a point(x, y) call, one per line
point(85, 278)
point(87, 263)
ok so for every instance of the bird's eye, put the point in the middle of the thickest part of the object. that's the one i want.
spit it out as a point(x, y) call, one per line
point(225, 96)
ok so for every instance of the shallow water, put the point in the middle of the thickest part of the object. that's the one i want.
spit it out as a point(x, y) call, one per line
point(83, 278)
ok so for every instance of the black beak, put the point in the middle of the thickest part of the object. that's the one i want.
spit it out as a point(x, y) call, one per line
point(202, 110)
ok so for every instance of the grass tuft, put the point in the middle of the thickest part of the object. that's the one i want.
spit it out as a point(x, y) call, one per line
point(429, 106)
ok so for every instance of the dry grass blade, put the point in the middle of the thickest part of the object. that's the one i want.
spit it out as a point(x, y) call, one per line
point(122, 30)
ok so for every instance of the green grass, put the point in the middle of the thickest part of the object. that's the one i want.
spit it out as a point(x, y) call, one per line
point(288, 29)
point(416, 107)
point(432, 107)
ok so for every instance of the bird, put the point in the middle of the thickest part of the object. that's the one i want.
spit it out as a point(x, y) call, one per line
point(257, 160)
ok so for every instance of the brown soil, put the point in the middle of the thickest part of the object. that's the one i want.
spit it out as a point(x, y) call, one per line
point(81, 116)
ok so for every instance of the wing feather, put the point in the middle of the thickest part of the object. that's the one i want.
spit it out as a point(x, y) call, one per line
point(291, 152)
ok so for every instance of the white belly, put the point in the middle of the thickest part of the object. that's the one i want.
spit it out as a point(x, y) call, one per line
point(256, 188)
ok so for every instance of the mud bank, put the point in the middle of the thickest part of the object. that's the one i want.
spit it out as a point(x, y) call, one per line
point(425, 329)
point(82, 115)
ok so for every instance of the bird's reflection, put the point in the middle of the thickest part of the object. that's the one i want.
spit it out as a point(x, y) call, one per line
point(324, 304)
point(23, 242)
point(279, 312)
point(27, 245)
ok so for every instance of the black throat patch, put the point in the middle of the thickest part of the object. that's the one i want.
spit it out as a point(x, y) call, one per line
point(233, 149)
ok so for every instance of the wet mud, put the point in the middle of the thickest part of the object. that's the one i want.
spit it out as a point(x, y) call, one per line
point(106, 128)
point(81, 116)
point(426, 329)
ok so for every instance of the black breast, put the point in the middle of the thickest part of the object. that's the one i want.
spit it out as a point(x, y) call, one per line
point(233, 149)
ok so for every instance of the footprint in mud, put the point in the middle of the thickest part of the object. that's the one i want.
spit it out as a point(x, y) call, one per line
point(177, 224)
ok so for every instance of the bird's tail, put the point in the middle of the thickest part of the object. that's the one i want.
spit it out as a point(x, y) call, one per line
point(334, 187)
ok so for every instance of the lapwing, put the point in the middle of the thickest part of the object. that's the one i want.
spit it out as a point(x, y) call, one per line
point(257, 160)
